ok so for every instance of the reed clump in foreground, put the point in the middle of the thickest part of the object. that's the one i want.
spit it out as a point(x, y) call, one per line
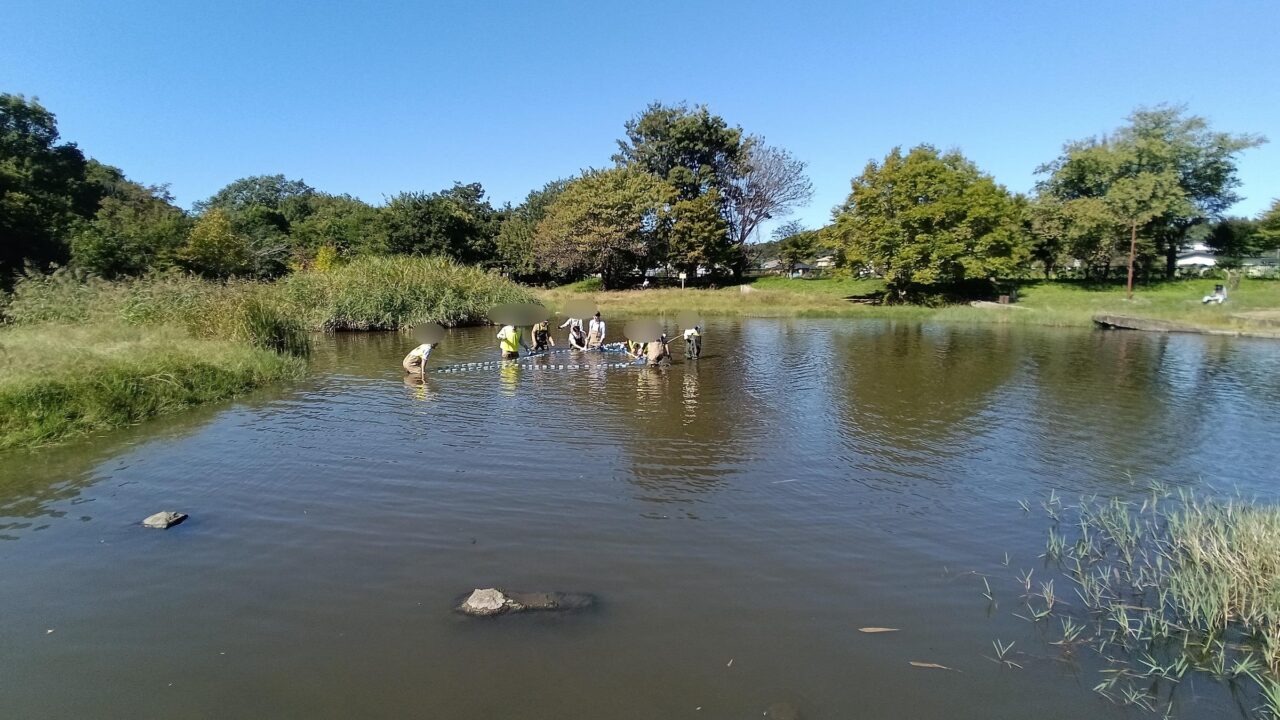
point(1171, 585)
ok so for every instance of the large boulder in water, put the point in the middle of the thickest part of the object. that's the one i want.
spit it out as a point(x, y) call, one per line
point(492, 601)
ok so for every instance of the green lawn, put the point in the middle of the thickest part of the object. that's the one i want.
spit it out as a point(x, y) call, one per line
point(1040, 303)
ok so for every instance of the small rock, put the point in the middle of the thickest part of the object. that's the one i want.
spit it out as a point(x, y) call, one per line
point(163, 520)
point(482, 603)
point(492, 601)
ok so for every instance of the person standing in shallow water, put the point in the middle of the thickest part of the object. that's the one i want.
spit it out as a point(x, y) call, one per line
point(693, 342)
point(542, 339)
point(595, 332)
point(510, 340)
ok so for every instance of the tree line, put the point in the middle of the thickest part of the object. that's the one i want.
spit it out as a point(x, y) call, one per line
point(686, 190)
point(925, 219)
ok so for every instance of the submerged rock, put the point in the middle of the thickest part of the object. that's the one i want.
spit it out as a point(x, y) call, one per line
point(163, 520)
point(492, 601)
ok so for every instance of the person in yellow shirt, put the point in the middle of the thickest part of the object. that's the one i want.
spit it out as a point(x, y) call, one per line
point(510, 340)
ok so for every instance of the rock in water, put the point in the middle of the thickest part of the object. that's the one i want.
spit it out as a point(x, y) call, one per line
point(163, 520)
point(481, 603)
point(491, 601)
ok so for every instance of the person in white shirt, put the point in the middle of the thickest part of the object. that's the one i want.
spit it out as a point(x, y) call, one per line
point(572, 323)
point(416, 360)
point(595, 332)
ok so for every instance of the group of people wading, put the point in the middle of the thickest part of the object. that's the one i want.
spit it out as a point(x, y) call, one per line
point(511, 340)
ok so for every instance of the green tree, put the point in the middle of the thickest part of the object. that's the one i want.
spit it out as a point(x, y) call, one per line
point(1267, 236)
point(346, 224)
point(286, 197)
point(43, 190)
point(1160, 141)
point(929, 219)
point(458, 222)
point(1233, 238)
point(136, 229)
point(798, 246)
point(697, 234)
point(215, 249)
point(514, 243)
point(690, 148)
point(610, 222)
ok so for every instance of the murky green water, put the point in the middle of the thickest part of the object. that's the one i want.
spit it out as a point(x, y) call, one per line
point(739, 518)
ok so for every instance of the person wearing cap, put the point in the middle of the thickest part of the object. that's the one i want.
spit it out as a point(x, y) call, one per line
point(595, 332)
point(510, 340)
point(416, 360)
point(693, 342)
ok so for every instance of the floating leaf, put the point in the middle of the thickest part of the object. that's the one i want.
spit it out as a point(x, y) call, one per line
point(931, 666)
point(877, 629)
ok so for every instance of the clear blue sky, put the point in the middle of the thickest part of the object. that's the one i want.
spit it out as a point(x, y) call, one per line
point(375, 98)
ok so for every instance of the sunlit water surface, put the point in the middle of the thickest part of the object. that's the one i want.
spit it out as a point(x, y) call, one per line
point(739, 519)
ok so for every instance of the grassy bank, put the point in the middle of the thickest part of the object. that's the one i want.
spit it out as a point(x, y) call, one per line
point(59, 380)
point(1040, 303)
point(80, 355)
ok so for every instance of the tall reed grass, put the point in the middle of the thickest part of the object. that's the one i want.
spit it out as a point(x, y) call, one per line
point(388, 293)
point(1165, 587)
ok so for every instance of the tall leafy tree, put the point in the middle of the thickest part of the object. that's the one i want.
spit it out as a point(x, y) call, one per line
point(1267, 236)
point(926, 218)
point(136, 228)
point(514, 243)
point(697, 235)
point(690, 148)
point(610, 222)
point(347, 225)
point(43, 190)
point(458, 222)
point(1160, 141)
point(214, 248)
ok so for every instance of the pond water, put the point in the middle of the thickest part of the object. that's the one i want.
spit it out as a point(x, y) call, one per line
point(738, 517)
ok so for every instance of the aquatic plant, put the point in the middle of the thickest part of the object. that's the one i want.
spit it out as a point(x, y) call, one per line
point(1173, 584)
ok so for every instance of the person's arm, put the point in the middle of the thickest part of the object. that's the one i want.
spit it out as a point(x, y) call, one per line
point(566, 323)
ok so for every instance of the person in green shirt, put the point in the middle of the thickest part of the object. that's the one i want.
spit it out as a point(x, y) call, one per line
point(510, 340)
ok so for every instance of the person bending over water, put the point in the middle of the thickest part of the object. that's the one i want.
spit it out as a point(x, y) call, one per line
point(542, 339)
point(416, 360)
point(510, 341)
point(657, 353)
point(577, 339)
